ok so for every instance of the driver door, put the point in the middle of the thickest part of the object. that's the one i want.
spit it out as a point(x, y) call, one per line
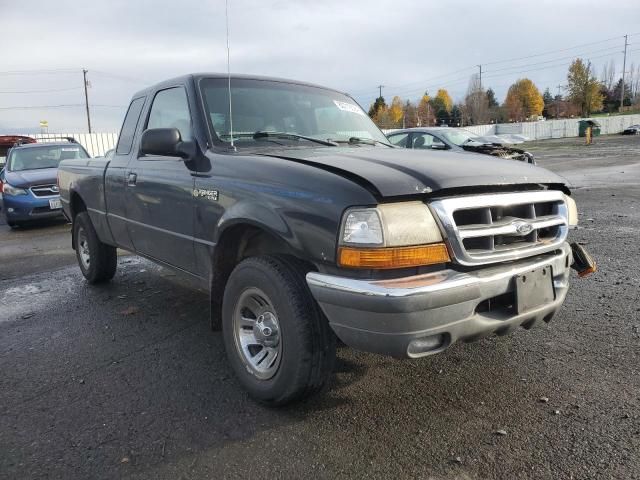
point(160, 190)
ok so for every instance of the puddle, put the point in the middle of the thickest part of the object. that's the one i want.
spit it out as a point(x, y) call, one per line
point(38, 293)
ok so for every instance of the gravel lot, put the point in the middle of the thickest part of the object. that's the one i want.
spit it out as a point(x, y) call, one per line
point(127, 380)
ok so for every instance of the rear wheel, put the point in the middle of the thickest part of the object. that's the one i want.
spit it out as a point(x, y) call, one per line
point(277, 340)
point(98, 261)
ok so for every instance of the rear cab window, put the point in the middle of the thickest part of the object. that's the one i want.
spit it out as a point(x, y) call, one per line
point(128, 131)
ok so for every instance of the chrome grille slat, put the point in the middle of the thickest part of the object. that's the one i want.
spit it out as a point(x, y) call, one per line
point(506, 227)
point(45, 190)
point(491, 228)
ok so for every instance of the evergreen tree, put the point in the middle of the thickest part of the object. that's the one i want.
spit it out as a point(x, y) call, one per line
point(491, 98)
point(377, 106)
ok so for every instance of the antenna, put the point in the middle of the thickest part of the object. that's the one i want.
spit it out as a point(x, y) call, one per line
point(226, 14)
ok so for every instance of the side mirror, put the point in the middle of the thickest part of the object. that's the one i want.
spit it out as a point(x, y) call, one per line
point(438, 146)
point(165, 142)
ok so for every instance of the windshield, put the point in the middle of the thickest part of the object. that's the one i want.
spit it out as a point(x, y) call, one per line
point(458, 136)
point(271, 106)
point(33, 158)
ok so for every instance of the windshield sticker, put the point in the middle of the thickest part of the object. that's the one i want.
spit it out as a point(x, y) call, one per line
point(348, 107)
point(64, 149)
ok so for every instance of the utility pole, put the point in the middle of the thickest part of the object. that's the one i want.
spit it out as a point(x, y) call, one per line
point(480, 67)
point(558, 97)
point(624, 67)
point(380, 87)
point(86, 98)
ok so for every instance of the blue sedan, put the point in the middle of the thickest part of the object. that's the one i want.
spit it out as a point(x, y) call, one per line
point(29, 180)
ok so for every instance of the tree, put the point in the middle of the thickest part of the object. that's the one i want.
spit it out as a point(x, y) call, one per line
point(425, 111)
point(456, 116)
point(383, 118)
point(547, 98)
point(442, 105)
point(444, 100)
point(396, 111)
point(476, 102)
point(608, 75)
point(410, 115)
point(523, 100)
point(378, 105)
point(583, 87)
point(491, 98)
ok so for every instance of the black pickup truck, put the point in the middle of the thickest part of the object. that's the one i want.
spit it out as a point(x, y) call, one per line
point(305, 225)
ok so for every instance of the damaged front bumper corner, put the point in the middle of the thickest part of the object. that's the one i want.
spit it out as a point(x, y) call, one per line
point(424, 314)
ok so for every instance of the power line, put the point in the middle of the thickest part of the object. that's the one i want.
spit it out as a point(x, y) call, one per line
point(69, 105)
point(55, 90)
point(466, 79)
point(122, 77)
point(41, 72)
point(28, 107)
point(555, 59)
point(516, 59)
point(552, 51)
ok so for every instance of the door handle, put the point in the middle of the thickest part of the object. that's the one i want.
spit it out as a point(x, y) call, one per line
point(131, 181)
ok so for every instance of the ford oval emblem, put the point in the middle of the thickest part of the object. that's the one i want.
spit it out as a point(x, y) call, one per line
point(522, 228)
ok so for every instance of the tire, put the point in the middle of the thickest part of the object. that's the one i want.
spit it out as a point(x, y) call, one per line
point(274, 288)
point(98, 261)
point(12, 224)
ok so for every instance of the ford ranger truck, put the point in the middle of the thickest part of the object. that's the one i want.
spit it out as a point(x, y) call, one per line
point(306, 226)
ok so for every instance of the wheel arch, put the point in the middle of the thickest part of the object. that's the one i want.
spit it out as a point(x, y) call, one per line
point(241, 238)
point(76, 205)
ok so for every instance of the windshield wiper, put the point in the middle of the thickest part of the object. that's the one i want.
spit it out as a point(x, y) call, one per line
point(358, 140)
point(257, 135)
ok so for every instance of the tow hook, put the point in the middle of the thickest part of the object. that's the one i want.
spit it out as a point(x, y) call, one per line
point(583, 263)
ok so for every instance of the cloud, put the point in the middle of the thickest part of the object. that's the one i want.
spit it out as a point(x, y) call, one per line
point(407, 45)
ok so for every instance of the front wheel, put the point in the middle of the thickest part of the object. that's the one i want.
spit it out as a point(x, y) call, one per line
point(98, 261)
point(277, 340)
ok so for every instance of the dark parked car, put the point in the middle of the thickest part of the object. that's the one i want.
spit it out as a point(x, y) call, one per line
point(456, 140)
point(29, 189)
point(304, 224)
point(632, 130)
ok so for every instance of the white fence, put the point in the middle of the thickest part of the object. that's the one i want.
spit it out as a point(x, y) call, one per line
point(566, 128)
point(95, 143)
point(554, 128)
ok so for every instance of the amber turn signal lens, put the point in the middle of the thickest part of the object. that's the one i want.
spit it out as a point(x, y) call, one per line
point(399, 257)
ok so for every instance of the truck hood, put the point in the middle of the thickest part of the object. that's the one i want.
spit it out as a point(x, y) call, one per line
point(398, 172)
point(29, 178)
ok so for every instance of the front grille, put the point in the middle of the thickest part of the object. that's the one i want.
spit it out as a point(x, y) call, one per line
point(506, 226)
point(45, 190)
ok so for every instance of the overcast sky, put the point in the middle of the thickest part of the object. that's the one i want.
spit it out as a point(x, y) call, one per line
point(408, 46)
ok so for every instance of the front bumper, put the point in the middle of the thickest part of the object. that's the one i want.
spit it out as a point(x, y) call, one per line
point(22, 208)
point(424, 314)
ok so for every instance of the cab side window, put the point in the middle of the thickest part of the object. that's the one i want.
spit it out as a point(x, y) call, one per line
point(399, 139)
point(170, 109)
point(125, 139)
point(426, 141)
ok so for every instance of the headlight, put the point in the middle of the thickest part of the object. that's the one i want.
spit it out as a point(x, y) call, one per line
point(11, 190)
point(362, 227)
point(572, 208)
point(392, 235)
